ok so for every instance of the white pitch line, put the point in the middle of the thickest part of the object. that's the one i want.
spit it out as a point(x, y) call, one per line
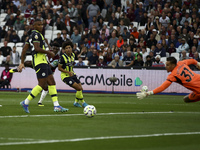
point(99, 138)
point(99, 114)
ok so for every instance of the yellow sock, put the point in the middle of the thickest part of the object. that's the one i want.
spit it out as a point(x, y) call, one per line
point(35, 91)
point(79, 96)
point(53, 93)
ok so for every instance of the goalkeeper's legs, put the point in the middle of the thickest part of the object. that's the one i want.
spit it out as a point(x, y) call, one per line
point(192, 97)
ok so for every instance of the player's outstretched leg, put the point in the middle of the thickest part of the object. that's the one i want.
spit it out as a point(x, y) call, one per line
point(35, 91)
point(53, 93)
point(43, 95)
point(79, 97)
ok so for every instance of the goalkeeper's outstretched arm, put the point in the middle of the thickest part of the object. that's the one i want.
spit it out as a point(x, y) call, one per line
point(159, 89)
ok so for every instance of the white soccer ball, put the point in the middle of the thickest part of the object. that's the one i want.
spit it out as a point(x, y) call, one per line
point(90, 111)
point(144, 89)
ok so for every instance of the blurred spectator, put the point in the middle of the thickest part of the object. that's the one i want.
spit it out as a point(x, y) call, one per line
point(9, 13)
point(103, 38)
point(144, 53)
point(94, 43)
point(118, 13)
point(6, 50)
point(172, 39)
point(116, 62)
point(125, 34)
point(192, 52)
point(164, 20)
point(160, 50)
point(3, 32)
point(76, 38)
point(101, 62)
point(148, 62)
point(113, 20)
point(171, 49)
point(14, 37)
point(184, 55)
point(92, 10)
point(185, 34)
point(80, 62)
point(128, 59)
point(94, 34)
point(83, 53)
point(138, 61)
point(10, 22)
point(105, 30)
point(157, 62)
point(108, 55)
point(156, 35)
point(139, 9)
point(117, 52)
point(94, 23)
point(92, 60)
point(120, 41)
point(15, 56)
point(28, 11)
point(76, 51)
point(178, 42)
point(6, 77)
point(126, 20)
point(183, 46)
point(24, 36)
point(58, 39)
point(121, 26)
point(135, 33)
point(144, 19)
point(151, 41)
point(18, 25)
point(186, 17)
point(23, 6)
point(113, 40)
point(196, 56)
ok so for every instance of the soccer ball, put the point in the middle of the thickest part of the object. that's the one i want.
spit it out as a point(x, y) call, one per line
point(144, 89)
point(90, 111)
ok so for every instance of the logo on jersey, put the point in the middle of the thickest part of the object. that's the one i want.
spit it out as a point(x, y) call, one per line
point(43, 74)
point(36, 37)
point(70, 82)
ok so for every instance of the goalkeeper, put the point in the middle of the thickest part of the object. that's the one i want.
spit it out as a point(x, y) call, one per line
point(182, 74)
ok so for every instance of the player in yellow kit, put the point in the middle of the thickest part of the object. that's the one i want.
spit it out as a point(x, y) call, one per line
point(66, 63)
point(42, 68)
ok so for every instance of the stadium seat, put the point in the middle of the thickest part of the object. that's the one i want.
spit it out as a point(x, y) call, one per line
point(167, 54)
point(56, 31)
point(105, 22)
point(20, 33)
point(3, 15)
point(29, 58)
point(135, 24)
point(11, 44)
point(163, 59)
point(141, 27)
point(2, 23)
point(86, 62)
point(176, 55)
point(19, 44)
point(19, 50)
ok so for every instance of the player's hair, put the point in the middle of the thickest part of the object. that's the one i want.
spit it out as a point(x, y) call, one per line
point(172, 60)
point(36, 20)
point(56, 44)
point(67, 43)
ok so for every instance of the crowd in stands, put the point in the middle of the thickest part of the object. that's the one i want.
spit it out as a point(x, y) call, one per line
point(116, 33)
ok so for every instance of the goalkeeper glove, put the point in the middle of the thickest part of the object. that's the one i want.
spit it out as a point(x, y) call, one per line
point(142, 95)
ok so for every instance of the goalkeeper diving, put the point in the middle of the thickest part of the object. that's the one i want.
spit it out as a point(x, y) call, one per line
point(182, 74)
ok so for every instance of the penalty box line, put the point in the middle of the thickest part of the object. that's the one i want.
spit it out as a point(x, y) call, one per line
point(98, 114)
point(99, 138)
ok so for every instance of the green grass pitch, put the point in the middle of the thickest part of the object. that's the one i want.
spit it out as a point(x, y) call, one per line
point(122, 122)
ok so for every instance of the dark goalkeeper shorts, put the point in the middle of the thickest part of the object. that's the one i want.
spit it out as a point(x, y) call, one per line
point(43, 71)
point(71, 80)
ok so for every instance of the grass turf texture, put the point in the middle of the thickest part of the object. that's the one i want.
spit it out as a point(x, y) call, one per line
point(42, 124)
